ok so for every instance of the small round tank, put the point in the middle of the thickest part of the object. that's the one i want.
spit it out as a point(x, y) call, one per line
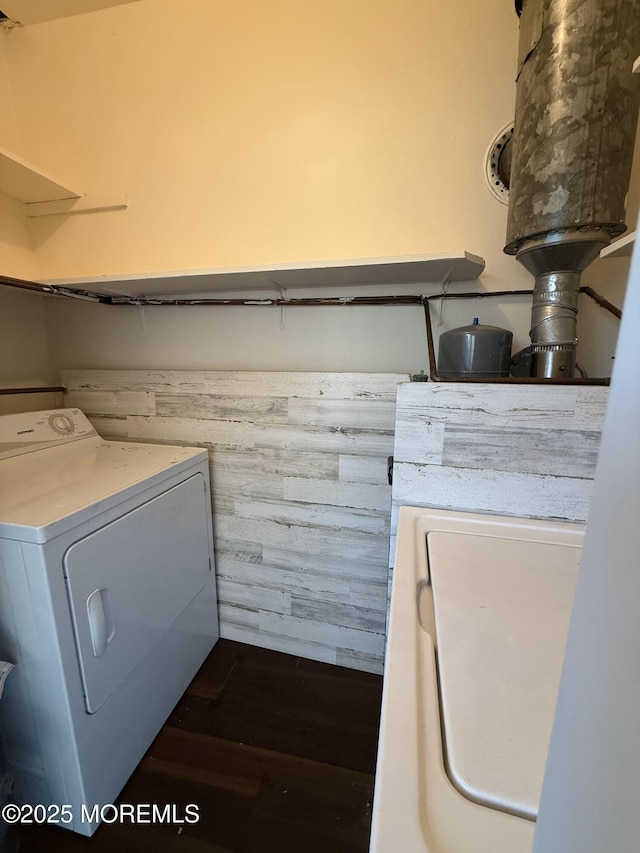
point(474, 351)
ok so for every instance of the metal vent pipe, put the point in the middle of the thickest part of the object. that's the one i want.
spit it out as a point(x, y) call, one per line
point(574, 132)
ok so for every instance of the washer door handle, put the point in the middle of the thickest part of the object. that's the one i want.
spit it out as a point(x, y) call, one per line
point(100, 624)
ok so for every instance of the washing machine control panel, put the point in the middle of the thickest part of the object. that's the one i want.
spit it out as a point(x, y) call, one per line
point(62, 424)
point(29, 431)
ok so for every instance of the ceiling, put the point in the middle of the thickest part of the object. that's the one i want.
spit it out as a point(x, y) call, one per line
point(28, 12)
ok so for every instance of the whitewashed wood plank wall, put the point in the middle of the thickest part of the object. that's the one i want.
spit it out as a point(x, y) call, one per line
point(300, 493)
point(523, 450)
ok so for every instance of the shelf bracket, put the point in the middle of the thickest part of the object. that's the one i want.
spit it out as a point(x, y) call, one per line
point(85, 204)
point(443, 292)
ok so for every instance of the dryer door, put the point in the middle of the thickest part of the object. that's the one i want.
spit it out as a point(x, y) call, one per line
point(129, 581)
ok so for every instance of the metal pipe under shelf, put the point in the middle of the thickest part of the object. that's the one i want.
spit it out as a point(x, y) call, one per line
point(45, 389)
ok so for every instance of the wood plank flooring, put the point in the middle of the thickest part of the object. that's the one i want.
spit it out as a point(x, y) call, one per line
point(278, 753)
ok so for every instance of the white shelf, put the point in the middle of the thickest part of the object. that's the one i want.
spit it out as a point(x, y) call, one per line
point(621, 248)
point(22, 180)
point(405, 269)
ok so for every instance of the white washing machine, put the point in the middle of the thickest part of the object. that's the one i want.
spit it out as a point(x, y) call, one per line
point(107, 602)
point(480, 610)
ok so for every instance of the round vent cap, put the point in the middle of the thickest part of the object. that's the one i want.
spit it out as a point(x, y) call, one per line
point(498, 164)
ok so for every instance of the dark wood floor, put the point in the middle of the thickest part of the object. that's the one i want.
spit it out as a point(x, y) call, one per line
point(277, 752)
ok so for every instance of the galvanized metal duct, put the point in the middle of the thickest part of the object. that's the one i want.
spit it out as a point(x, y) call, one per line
point(575, 124)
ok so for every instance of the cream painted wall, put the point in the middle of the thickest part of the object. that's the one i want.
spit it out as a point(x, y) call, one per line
point(8, 125)
point(256, 133)
point(17, 256)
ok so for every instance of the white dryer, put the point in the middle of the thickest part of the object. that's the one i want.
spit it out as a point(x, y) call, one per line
point(107, 602)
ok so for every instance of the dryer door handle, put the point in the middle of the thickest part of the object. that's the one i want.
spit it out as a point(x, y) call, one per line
point(100, 624)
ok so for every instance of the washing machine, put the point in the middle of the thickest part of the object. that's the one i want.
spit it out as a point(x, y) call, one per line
point(479, 615)
point(107, 603)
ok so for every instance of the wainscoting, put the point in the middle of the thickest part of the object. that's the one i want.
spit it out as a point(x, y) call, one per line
point(300, 493)
point(523, 450)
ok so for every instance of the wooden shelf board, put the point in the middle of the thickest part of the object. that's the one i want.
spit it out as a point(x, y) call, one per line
point(24, 181)
point(621, 248)
point(405, 269)
point(636, 66)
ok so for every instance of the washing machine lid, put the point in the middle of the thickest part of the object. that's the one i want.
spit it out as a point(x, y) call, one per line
point(502, 609)
point(48, 491)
